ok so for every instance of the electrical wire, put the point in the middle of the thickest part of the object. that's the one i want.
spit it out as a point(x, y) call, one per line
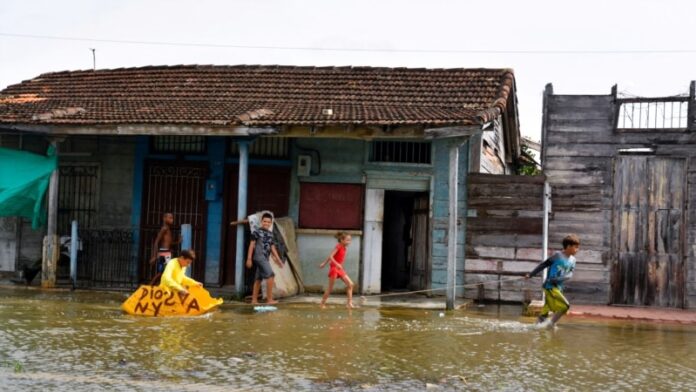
point(366, 50)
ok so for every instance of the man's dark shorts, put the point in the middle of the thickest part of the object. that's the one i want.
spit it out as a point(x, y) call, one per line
point(263, 269)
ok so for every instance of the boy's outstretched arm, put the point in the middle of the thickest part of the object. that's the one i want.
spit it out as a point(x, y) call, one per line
point(544, 264)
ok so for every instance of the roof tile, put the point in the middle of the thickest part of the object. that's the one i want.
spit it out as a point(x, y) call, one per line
point(260, 95)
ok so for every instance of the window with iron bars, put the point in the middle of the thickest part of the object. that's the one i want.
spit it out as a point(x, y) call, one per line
point(653, 113)
point(400, 152)
point(272, 147)
point(178, 144)
point(78, 195)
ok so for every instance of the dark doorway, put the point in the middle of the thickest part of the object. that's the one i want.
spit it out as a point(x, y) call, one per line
point(405, 241)
point(268, 189)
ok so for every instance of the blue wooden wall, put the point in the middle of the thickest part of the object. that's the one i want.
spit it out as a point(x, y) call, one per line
point(440, 213)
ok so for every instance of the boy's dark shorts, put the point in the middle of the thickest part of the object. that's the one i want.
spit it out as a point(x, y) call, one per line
point(263, 269)
point(163, 257)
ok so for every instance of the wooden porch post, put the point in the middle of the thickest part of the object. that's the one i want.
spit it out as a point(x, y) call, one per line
point(452, 226)
point(51, 247)
point(241, 215)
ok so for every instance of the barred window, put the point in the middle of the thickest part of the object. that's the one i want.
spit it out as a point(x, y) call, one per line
point(400, 152)
point(272, 147)
point(178, 144)
point(78, 195)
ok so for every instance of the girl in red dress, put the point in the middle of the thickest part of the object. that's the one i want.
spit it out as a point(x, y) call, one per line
point(336, 268)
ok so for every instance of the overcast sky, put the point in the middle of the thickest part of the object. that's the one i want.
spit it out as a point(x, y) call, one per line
point(582, 47)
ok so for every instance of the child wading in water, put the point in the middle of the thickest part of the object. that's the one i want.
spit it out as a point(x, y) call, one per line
point(561, 266)
point(336, 270)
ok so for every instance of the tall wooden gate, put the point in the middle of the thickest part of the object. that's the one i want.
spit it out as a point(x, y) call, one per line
point(179, 188)
point(649, 222)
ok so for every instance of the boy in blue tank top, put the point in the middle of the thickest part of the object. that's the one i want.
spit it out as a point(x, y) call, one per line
point(561, 266)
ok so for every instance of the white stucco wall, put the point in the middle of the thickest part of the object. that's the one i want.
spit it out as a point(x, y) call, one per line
point(314, 247)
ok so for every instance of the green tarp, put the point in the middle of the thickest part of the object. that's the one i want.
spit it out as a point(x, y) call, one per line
point(24, 179)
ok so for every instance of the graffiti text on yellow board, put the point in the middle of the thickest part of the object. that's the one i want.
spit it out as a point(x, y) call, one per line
point(155, 297)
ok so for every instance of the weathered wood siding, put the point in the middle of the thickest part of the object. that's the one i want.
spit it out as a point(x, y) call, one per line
point(487, 153)
point(440, 214)
point(579, 146)
point(580, 153)
point(504, 236)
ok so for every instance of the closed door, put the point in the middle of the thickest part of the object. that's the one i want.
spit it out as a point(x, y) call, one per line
point(649, 219)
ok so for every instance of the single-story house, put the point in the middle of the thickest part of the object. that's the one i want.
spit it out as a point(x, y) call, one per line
point(361, 149)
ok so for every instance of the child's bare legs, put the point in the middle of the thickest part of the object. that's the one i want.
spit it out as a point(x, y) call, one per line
point(255, 292)
point(349, 291)
point(269, 291)
point(327, 292)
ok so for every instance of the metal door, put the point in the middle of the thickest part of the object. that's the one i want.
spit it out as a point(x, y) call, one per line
point(649, 223)
point(179, 188)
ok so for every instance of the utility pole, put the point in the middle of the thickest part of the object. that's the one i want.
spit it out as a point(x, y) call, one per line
point(94, 58)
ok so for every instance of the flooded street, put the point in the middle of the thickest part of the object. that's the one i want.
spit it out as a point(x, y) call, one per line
point(82, 342)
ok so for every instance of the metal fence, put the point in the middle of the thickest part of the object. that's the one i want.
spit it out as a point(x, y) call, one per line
point(653, 113)
point(105, 259)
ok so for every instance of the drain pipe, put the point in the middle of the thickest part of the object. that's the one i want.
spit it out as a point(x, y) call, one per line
point(73, 254)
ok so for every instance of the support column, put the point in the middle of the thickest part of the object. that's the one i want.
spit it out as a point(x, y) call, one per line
point(51, 247)
point(452, 225)
point(241, 215)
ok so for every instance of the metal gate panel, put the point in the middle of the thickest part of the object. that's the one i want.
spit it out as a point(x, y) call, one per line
point(179, 188)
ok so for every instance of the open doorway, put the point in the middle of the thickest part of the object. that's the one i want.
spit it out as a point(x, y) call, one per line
point(405, 261)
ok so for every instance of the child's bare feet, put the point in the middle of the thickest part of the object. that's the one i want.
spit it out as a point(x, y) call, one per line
point(322, 306)
point(350, 305)
point(271, 302)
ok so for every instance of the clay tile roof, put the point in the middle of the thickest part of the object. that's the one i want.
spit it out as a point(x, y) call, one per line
point(258, 95)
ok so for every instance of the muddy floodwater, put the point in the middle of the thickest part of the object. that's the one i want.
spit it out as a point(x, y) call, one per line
point(82, 342)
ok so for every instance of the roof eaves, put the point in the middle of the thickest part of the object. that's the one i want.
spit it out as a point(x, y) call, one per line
point(499, 105)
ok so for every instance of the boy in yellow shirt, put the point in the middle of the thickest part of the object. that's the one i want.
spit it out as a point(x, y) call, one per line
point(174, 275)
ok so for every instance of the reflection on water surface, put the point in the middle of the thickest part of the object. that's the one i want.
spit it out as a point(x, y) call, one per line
point(81, 341)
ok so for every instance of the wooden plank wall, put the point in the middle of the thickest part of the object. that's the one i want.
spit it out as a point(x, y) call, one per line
point(504, 236)
point(580, 146)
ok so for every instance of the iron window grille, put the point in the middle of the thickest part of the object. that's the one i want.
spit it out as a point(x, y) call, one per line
point(78, 195)
point(178, 144)
point(272, 147)
point(653, 113)
point(400, 152)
